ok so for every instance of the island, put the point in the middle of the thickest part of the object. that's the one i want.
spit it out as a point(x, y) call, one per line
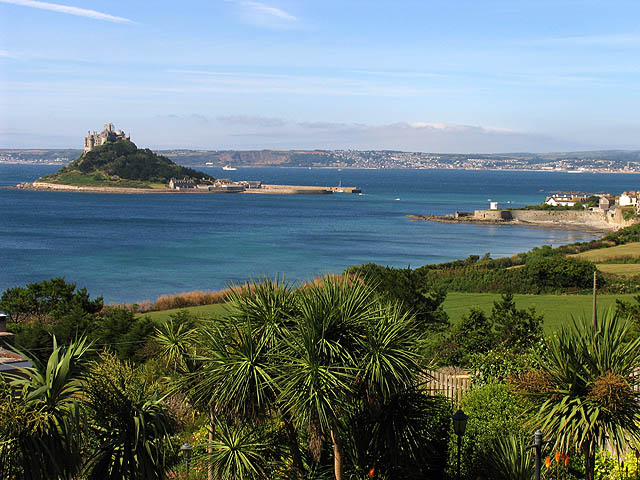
point(112, 163)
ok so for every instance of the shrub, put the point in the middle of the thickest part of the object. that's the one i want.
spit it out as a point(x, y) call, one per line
point(495, 411)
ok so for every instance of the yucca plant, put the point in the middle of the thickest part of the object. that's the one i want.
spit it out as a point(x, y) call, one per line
point(40, 417)
point(510, 460)
point(129, 422)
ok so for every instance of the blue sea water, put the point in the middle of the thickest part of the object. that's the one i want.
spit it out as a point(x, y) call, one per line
point(136, 247)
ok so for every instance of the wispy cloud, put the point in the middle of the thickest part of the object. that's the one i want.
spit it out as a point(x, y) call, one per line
point(4, 54)
point(254, 121)
point(261, 14)
point(80, 12)
point(268, 10)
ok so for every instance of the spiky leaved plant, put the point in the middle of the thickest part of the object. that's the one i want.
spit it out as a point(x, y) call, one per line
point(40, 416)
point(589, 400)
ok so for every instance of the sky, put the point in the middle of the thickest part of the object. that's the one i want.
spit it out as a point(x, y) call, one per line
point(428, 75)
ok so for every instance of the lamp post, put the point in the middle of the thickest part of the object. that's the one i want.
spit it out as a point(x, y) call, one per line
point(459, 427)
point(538, 442)
point(186, 453)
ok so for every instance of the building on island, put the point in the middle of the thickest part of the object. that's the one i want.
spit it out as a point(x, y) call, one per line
point(183, 184)
point(109, 134)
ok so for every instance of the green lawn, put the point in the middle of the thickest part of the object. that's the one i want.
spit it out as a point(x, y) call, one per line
point(623, 269)
point(200, 311)
point(556, 309)
point(603, 254)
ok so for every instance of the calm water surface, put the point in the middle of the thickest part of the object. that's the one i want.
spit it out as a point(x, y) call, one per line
point(136, 247)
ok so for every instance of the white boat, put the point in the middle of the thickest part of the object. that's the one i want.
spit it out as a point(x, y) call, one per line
point(229, 168)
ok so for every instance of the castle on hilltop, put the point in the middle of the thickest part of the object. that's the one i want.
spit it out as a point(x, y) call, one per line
point(109, 134)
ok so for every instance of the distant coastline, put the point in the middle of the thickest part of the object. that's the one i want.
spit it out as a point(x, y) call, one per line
point(598, 161)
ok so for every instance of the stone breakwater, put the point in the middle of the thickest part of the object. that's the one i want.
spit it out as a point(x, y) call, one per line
point(564, 219)
point(265, 189)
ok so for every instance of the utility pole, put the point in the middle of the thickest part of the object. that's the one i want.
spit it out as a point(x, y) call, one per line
point(595, 276)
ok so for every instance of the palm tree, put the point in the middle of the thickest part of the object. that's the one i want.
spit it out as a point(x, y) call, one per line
point(40, 420)
point(319, 362)
point(238, 454)
point(589, 400)
point(229, 366)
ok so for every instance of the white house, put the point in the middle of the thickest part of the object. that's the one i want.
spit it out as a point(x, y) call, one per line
point(628, 199)
point(562, 200)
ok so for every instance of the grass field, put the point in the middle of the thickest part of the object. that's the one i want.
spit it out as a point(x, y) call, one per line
point(200, 311)
point(623, 269)
point(610, 253)
point(557, 309)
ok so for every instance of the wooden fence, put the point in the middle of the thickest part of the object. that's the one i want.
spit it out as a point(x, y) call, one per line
point(452, 383)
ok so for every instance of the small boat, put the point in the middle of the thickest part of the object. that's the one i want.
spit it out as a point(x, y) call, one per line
point(229, 168)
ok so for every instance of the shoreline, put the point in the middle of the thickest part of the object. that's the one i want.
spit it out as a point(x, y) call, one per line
point(264, 190)
point(566, 226)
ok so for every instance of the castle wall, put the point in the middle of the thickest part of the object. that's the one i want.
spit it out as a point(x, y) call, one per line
point(556, 218)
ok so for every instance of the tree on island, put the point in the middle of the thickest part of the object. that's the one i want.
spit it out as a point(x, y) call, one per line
point(123, 160)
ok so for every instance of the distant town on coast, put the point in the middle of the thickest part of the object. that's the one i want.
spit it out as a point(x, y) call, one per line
point(601, 161)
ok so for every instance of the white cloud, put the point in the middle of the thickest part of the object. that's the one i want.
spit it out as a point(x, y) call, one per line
point(267, 10)
point(80, 12)
point(263, 15)
point(4, 53)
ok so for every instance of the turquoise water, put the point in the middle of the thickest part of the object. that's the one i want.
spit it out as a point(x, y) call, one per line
point(136, 247)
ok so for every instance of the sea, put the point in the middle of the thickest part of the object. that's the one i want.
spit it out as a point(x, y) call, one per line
point(131, 248)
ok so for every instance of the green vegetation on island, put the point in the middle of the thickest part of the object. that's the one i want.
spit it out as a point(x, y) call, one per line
point(122, 164)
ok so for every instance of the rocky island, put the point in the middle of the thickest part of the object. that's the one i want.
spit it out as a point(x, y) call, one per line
point(112, 163)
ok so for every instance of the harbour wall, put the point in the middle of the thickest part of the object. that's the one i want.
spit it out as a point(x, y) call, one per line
point(564, 218)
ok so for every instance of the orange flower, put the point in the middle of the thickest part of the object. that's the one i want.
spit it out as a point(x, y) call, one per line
point(372, 472)
point(547, 462)
point(566, 460)
point(558, 456)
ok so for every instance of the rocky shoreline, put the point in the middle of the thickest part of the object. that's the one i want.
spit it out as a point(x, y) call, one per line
point(585, 223)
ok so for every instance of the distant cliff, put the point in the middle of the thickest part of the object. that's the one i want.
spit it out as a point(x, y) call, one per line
point(122, 164)
point(254, 158)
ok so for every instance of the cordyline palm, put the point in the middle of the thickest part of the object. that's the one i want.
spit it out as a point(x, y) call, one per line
point(392, 411)
point(233, 359)
point(590, 401)
point(39, 430)
point(319, 360)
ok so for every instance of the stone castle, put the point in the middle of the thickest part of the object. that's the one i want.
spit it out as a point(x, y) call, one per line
point(109, 134)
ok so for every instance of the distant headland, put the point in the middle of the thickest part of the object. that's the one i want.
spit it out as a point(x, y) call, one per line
point(601, 161)
point(112, 163)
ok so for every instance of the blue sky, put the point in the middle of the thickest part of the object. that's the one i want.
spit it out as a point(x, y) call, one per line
point(440, 76)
